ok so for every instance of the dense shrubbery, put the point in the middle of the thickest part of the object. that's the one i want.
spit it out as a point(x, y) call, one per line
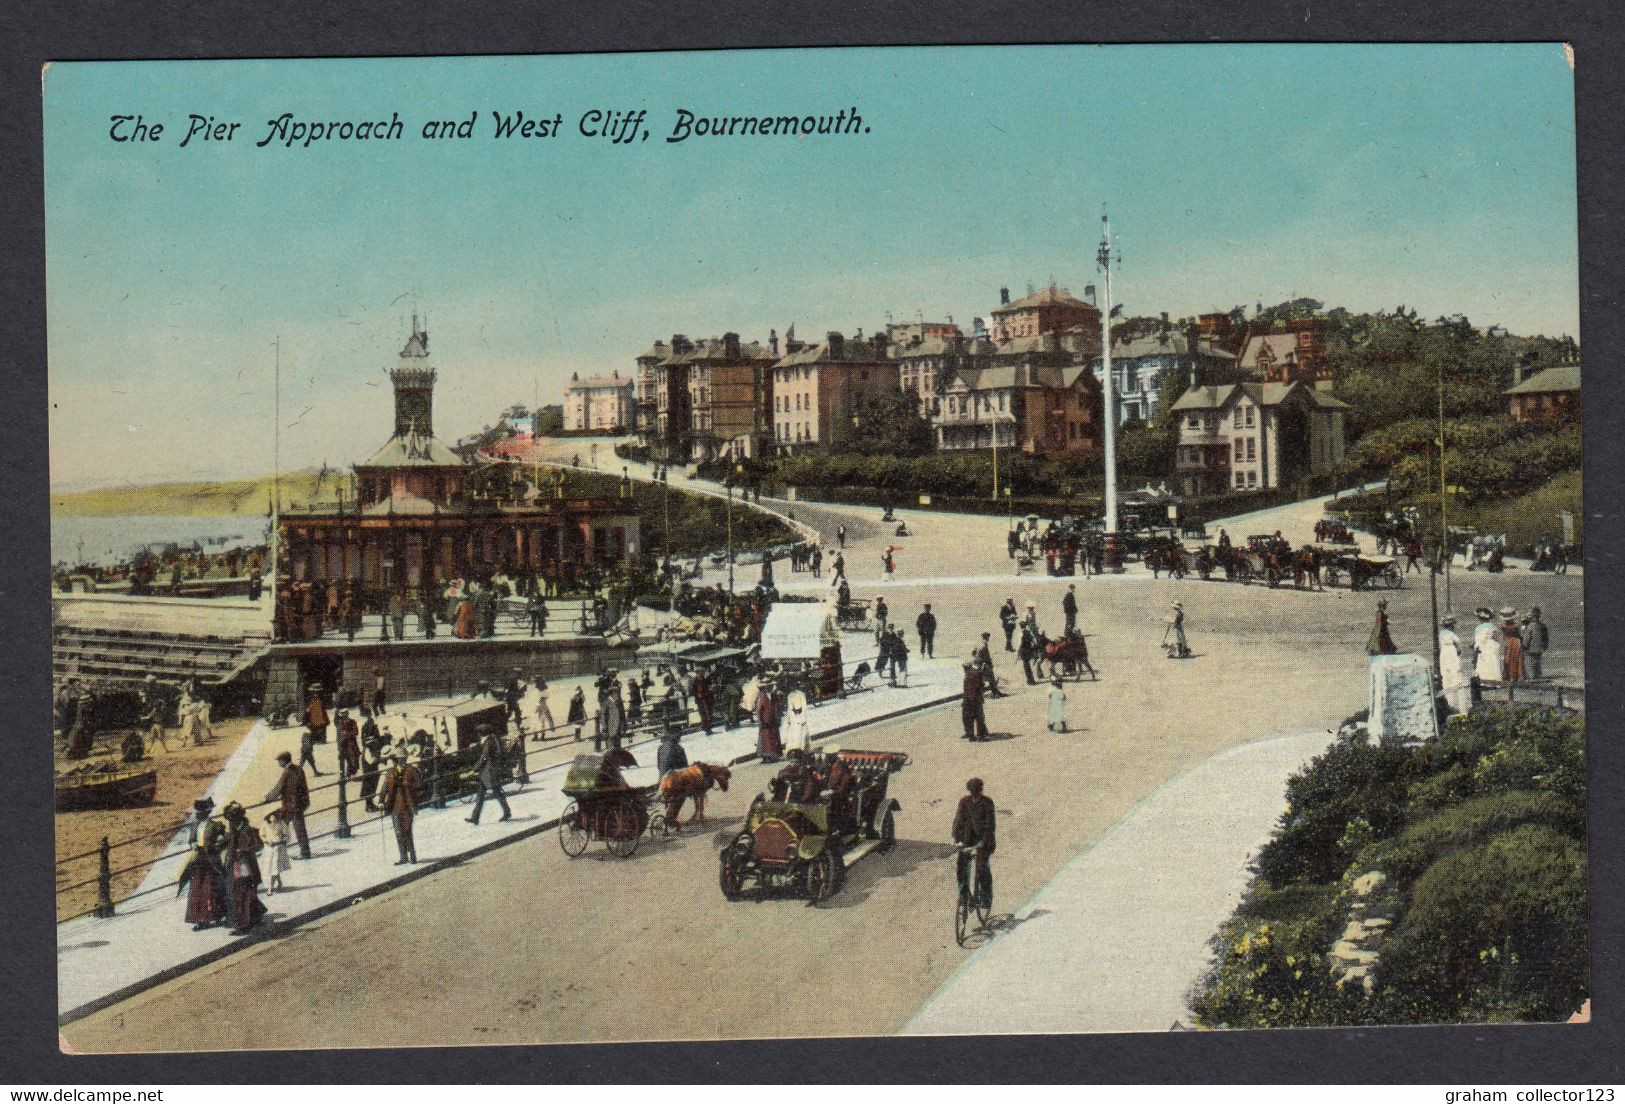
point(1482, 837)
point(698, 523)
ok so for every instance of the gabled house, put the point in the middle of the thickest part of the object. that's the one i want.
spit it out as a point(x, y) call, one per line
point(1253, 436)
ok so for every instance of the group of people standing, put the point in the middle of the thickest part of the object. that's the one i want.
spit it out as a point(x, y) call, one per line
point(1506, 648)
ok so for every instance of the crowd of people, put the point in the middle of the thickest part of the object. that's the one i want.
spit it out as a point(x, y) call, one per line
point(163, 573)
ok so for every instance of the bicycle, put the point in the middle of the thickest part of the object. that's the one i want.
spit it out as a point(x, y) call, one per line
point(980, 903)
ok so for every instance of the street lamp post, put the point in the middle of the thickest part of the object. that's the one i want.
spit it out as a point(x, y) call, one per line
point(730, 487)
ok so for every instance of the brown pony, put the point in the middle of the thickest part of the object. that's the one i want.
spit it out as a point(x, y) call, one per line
point(692, 781)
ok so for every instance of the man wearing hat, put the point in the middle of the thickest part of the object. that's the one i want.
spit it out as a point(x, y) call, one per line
point(1069, 608)
point(513, 691)
point(974, 826)
point(1453, 680)
point(1536, 639)
point(1008, 619)
point(970, 707)
point(488, 772)
point(243, 847)
point(544, 714)
point(293, 792)
point(926, 626)
point(982, 658)
point(399, 798)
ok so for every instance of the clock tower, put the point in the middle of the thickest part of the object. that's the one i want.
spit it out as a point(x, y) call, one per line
point(413, 378)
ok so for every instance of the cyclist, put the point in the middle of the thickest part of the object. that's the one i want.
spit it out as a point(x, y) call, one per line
point(974, 827)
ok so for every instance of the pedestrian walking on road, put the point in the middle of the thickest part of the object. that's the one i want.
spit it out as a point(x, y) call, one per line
point(797, 725)
point(577, 715)
point(292, 793)
point(307, 751)
point(488, 775)
point(1380, 641)
point(1512, 646)
point(280, 863)
point(1029, 651)
point(971, 709)
point(1536, 639)
point(1057, 707)
point(882, 615)
point(544, 714)
point(1069, 608)
point(840, 570)
point(982, 657)
point(400, 800)
point(926, 626)
point(1178, 648)
point(769, 712)
point(840, 537)
point(1008, 618)
point(245, 908)
point(1487, 648)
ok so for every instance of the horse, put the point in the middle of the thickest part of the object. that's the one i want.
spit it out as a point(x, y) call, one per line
point(1306, 565)
point(691, 782)
point(1069, 654)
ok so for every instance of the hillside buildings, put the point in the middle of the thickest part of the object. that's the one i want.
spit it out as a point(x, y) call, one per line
point(1549, 394)
point(602, 404)
point(1252, 436)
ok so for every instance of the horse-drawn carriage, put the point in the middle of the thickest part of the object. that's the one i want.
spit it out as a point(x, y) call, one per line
point(807, 844)
point(853, 615)
point(603, 807)
point(1360, 572)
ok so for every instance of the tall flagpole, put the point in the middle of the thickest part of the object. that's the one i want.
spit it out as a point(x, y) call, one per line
point(276, 477)
point(1109, 397)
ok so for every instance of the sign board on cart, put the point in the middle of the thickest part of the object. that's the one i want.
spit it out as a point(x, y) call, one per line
point(798, 630)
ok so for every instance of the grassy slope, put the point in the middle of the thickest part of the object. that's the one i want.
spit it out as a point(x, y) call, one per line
point(1532, 515)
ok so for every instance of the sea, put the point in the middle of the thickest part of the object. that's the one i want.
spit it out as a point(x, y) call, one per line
point(111, 540)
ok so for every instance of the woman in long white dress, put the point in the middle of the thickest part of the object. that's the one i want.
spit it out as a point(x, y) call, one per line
point(796, 730)
point(1452, 675)
point(1487, 643)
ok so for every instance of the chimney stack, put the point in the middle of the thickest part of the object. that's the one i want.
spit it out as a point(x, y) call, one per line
point(773, 343)
point(730, 346)
point(837, 345)
point(1004, 297)
point(879, 340)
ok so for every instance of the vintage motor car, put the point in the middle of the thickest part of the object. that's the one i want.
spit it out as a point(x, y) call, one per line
point(807, 845)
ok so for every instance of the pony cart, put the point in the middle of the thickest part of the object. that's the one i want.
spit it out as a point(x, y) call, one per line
point(1360, 572)
point(807, 840)
point(603, 807)
point(852, 615)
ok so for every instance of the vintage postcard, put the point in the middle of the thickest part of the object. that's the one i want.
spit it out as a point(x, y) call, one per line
point(789, 543)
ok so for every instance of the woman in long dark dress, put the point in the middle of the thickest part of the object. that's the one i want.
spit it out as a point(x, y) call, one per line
point(206, 903)
point(245, 908)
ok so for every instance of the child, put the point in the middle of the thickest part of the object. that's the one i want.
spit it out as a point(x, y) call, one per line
point(1057, 708)
point(279, 847)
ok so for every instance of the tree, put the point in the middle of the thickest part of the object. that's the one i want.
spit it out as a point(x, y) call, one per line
point(887, 425)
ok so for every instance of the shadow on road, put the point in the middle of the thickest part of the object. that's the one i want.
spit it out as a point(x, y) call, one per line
point(902, 859)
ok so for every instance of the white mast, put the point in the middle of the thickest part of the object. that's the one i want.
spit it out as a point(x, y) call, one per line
point(276, 477)
point(1109, 393)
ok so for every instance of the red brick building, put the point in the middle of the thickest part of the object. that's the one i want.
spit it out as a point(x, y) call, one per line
point(1552, 394)
point(1049, 310)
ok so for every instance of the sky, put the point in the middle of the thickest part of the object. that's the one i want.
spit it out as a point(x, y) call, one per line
point(1437, 176)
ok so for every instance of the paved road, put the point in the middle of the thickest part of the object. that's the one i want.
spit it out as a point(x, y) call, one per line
point(523, 945)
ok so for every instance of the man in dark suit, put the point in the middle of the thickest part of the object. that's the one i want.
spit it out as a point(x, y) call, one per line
point(293, 792)
point(974, 826)
point(488, 772)
point(970, 706)
point(1069, 608)
point(926, 626)
point(400, 800)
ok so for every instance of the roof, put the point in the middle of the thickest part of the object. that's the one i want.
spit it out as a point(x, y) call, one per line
point(406, 505)
point(413, 450)
point(599, 381)
point(854, 350)
point(1006, 376)
point(1281, 346)
point(797, 630)
point(1170, 342)
point(1564, 377)
point(714, 348)
point(1264, 394)
point(657, 351)
point(1051, 296)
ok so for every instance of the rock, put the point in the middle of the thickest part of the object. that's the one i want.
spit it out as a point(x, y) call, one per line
point(1367, 884)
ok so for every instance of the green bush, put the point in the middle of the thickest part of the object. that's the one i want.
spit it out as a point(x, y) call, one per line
point(1496, 932)
point(1422, 843)
point(1352, 784)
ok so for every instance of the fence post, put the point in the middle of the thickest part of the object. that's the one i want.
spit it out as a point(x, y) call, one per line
point(104, 882)
point(343, 830)
point(437, 797)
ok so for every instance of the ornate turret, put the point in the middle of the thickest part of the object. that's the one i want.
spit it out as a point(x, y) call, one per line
point(413, 378)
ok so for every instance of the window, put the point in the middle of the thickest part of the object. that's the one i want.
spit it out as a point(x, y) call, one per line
point(1252, 479)
point(1241, 481)
point(1249, 416)
point(1252, 448)
point(1238, 448)
point(1235, 418)
point(1193, 422)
